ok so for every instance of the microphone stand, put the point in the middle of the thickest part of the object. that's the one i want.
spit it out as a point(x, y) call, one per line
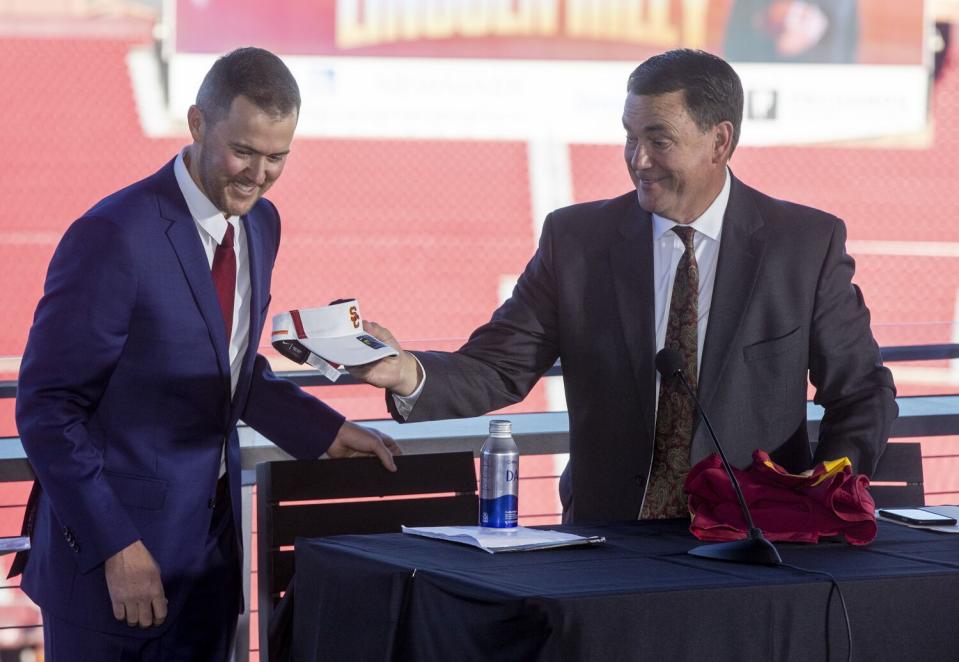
point(755, 549)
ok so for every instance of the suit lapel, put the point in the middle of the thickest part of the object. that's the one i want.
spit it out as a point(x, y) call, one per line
point(740, 256)
point(185, 240)
point(256, 262)
point(254, 244)
point(631, 259)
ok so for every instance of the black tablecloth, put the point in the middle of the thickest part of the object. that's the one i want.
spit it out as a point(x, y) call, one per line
point(639, 596)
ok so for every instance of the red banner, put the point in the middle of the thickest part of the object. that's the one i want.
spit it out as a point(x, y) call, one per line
point(811, 31)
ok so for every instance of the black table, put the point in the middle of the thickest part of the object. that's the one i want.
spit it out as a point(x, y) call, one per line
point(637, 597)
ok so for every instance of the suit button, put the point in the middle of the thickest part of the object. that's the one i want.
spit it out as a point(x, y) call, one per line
point(211, 504)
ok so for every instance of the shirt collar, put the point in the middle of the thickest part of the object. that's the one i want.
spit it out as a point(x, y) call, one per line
point(204, 212)
point(709, 223)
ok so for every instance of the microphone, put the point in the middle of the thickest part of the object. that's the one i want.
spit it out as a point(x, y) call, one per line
point(755, 548)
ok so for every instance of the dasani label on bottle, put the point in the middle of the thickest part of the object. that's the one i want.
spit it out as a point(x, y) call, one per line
point(499, 477)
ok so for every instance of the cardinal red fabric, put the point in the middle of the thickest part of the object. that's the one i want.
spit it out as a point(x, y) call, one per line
point(826, 501)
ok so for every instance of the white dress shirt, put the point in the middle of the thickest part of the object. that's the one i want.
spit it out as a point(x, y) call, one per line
point(211, 226)
point(668, 249)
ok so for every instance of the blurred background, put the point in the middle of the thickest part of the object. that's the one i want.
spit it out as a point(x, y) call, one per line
point(436, 135)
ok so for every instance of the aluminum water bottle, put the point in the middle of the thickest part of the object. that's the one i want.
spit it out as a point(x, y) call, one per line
point(499, 477)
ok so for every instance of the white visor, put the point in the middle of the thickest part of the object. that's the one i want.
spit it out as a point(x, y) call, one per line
point(334, 333)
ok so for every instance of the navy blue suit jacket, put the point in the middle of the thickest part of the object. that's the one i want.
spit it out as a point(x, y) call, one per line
point(124, 404)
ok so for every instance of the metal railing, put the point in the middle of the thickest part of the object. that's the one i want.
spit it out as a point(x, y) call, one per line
point(899, 353)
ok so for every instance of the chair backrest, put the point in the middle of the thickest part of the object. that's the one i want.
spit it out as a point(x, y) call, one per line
point(897, 480)
point(313, 498)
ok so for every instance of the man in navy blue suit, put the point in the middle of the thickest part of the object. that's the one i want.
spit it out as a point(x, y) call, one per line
point(140, 361)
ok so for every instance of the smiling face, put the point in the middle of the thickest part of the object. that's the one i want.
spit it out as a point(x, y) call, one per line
point(677, 168)
point(236, 159)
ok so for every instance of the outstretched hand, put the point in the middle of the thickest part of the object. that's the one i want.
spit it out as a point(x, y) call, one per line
point(399, 374)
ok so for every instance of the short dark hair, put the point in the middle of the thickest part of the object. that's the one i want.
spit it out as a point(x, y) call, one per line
point(254, 73)
point(711, 89)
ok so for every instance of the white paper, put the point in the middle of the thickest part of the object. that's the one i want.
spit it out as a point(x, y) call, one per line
point(948, 511)
point(492, 540)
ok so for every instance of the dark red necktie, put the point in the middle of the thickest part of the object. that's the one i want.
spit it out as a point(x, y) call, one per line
point(224, 278)
point(674, 416)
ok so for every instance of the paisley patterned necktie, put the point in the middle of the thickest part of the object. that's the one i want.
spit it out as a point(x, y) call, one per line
point(674, 417)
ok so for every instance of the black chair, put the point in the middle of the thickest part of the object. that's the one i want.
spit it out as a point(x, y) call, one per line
point(897, 480)
point(313, 498)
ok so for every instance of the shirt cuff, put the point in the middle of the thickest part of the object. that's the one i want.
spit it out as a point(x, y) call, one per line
point(405, 403)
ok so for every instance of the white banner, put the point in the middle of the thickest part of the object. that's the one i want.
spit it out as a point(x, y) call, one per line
point(571, 102)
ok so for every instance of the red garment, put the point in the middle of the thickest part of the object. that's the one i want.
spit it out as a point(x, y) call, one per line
point(828, 500)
